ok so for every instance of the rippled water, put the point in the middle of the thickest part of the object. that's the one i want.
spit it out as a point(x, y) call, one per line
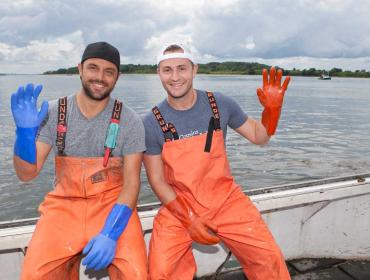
point(324, 131)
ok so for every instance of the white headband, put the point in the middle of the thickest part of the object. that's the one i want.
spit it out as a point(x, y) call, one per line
point(184, 54)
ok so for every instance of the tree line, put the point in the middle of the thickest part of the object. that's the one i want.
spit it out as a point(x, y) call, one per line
point(240, 68)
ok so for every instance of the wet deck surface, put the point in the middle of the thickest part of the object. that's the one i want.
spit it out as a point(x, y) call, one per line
point(312, 269)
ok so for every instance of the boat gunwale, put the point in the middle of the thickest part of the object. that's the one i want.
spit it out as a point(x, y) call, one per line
point(360, 178)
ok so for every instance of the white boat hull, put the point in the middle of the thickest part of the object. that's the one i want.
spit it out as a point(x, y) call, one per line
point(321, 219)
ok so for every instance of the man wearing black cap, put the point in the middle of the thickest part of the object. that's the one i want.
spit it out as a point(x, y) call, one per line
point(98, 144)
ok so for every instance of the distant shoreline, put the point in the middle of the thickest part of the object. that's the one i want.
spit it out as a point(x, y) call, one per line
point(229, 68)
point(222, 68)
point(213, 73)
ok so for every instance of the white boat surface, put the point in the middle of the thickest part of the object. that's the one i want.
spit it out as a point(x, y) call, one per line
point(327, 218)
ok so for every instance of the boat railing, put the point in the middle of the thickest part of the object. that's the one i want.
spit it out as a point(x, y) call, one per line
point(154, 206)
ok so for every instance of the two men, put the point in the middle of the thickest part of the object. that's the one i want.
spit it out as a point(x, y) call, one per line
point(95, 196)
point(98, 144)
point(188, 170)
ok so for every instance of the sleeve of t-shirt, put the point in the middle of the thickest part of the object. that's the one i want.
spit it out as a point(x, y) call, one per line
point(135, 138)
point(153, 146)
point(237, 116)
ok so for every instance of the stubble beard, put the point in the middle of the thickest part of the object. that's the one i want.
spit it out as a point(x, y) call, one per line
point(91, 95)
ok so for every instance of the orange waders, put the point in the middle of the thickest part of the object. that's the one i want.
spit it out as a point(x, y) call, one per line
point(198, 170)
point(73, 213)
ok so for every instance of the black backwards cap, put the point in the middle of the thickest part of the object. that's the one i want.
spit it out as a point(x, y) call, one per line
point(102, 50)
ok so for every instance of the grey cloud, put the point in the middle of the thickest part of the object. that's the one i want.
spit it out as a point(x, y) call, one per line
point(52, 34)
point(285, 29)
point(127, 24)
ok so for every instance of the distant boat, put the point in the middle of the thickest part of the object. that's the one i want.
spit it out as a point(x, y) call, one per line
point(324, 76)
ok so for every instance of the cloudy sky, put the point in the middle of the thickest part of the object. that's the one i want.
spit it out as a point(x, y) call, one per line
point(41, 35)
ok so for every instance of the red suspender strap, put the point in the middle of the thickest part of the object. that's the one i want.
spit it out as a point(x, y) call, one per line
point(167, 128)
point(61, 125)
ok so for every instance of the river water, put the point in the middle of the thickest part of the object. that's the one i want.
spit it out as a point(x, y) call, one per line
point(324, 131)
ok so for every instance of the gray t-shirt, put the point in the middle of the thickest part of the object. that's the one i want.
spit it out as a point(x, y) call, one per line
point(193, 121)
point(86, 137)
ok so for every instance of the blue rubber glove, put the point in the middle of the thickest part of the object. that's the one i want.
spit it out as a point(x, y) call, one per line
point(27, 120)
point(102, 248)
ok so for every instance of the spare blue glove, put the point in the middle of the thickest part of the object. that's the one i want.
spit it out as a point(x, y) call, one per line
point(27, 120)
point(102, 248)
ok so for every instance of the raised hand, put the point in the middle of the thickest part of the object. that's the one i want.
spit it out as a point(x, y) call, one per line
point(24, 107)
point(271, 96)
point(27, 120)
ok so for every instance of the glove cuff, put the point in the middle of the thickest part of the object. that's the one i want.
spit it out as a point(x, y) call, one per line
point(25, 143)
point(117, 221)
point(270, 119)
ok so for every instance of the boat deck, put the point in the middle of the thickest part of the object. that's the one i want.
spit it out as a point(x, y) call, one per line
point(311, 269)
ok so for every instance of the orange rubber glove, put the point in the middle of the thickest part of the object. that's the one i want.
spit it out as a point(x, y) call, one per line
point(198, 227)
point(271, 96)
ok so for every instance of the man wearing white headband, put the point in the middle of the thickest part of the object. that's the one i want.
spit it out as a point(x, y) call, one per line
point(187, 167)
point(182, 52)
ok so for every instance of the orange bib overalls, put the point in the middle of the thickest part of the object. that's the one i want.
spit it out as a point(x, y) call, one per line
point(197, 168)
point(73, 213)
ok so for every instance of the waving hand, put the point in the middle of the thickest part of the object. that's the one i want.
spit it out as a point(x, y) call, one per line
point(271, 96)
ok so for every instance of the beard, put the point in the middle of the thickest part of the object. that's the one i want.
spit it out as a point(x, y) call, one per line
point(89, 93)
